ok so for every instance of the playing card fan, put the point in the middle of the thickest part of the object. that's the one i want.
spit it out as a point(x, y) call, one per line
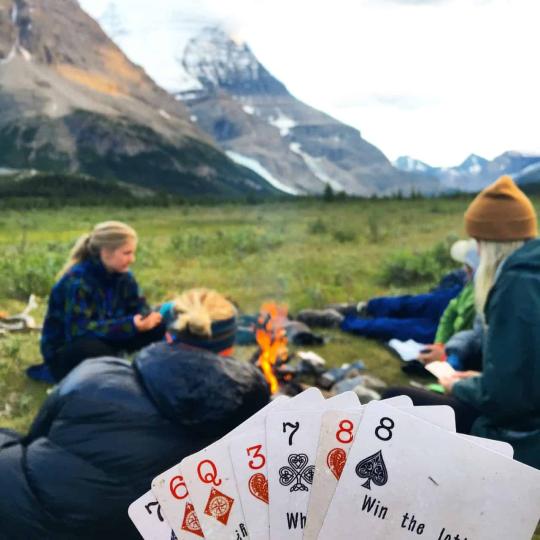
point(309, 468)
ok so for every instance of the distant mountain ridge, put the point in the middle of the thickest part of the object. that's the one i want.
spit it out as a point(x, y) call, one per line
point(248, 112)
point(476, 172)
point(255, 119)
point(71, 101)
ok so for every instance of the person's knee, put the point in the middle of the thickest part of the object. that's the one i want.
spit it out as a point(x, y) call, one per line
point(394, 391)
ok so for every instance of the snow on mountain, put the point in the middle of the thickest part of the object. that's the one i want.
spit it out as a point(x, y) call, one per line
point(406, 163)
point(476, 172)
point(187, 49)
point(154, 36)
point(473, 165)
point(254, 165)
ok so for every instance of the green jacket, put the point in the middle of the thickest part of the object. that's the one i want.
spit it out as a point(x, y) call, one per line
point(507, 394)
point(458, 316)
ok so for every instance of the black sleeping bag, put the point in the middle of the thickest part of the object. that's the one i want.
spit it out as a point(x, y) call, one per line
point(108, 429)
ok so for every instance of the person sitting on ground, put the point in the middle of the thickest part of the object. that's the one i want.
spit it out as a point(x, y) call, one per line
point(416, 317)
point(111, 426)
point(96, 308)
point(503, 402)
point(455, 337)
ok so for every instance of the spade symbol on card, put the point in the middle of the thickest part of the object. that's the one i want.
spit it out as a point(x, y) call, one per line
point(219, 506)
point(335, 460)
point(191, 521)
point(298, 472)
point(258, 487)
point(374, 469)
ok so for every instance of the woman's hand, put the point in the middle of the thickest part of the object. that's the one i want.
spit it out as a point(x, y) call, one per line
point(433, 353)
point(448, 382)
point(148, 322)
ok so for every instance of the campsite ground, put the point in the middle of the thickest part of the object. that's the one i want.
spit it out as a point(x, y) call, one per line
point(303, 254)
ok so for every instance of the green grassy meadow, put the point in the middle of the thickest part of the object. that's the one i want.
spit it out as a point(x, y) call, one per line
point(304, 254)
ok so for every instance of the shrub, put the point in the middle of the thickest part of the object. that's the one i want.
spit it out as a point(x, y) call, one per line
point(343, 236)
point(30, 270)
point(406, 268)
point(317, 227)
point(242, 242)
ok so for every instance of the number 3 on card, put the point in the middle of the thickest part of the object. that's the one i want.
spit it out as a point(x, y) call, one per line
point(344, 434)
point(255, 453)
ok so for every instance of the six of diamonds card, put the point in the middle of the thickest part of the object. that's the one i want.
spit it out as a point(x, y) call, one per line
point(310, 468)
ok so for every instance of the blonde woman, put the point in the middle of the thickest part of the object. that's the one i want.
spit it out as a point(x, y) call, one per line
point(96, 308)
point(502, 402)
point(111, 426)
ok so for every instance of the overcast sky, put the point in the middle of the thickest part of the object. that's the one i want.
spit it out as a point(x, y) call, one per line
point(433, 79)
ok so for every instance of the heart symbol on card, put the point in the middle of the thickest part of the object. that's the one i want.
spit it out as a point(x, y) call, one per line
point(336, 461)
point(258, 487)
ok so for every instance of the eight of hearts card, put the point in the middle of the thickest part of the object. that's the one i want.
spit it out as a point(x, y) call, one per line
point(337, 433)
point(291, 439)
point(406, 478)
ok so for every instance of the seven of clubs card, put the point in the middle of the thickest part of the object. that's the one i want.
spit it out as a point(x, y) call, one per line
point(291, 439)
point(248, 456)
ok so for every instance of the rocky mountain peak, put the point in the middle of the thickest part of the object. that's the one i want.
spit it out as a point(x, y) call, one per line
point(84, 107)
point(217, 61)
point(407, 163)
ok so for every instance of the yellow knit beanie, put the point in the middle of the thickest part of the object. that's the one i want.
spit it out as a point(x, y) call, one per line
point(501, 212)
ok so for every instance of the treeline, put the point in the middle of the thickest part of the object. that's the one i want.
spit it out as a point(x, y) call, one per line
point(51, 190)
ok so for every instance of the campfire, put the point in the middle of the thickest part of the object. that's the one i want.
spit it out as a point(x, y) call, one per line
point(272, 340)
point(292, 372)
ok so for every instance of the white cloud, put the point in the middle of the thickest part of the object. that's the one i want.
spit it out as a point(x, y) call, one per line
point(434, 79)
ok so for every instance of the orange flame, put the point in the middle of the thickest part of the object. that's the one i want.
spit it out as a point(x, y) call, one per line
point(272, 341)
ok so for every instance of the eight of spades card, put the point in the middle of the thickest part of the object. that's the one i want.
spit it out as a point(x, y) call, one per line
point(248, 456)
point(405, 478)
point(146, 515)
point(291, 438)
point(336, 435)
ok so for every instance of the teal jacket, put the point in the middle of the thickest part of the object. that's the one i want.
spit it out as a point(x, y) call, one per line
point(507, 394)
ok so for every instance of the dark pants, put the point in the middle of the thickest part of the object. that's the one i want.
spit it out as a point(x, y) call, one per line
point(419, 306)
point(465, 414)
point(73, 353)
point(402, 317)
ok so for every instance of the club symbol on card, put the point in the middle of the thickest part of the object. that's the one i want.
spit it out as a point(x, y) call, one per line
point(298, 471)
point(219, 506)
point(335, 460)
point(191, 521)
point(374, 469)
point(258, 487)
